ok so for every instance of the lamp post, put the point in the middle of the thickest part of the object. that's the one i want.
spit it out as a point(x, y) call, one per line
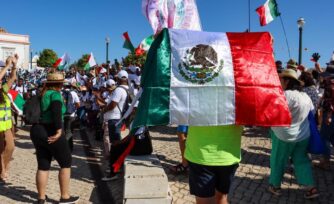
point(31, 59)
point(107, 54)
point(300, 23)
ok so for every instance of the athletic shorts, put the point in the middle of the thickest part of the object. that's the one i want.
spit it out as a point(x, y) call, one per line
point(204, 181)
point(182, 129)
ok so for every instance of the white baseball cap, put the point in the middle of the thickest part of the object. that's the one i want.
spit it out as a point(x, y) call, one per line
point(103, 70)
point(122, 74)
point(110, 82)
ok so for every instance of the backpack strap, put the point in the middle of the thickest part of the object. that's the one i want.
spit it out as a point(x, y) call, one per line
point(127, 95)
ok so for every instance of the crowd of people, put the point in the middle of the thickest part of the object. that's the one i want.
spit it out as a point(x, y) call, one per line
point(100, 97)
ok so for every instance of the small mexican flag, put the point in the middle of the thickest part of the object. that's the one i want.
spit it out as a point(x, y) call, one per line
point(208, 79)
point(144, 46)
point(268, 12)
point(16, 100)
point(62, 62)
point(127, 43)
point(91, 62)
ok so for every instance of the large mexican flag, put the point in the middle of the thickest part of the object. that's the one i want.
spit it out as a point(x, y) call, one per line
point(207, 79)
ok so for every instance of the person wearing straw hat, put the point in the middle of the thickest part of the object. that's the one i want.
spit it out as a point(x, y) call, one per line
point(6, 134)
point(49, 140)
point(292, 142)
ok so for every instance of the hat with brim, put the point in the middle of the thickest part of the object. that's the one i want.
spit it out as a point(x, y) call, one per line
point(292, 64)
point(292, 74)
point(329, 71)
point(55, 78)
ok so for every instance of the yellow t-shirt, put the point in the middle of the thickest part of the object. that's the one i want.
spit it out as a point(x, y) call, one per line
point(214, 145)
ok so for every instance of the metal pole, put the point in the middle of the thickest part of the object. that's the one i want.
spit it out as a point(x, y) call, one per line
point(107, 57)
point(300, 45)
point(30, 60)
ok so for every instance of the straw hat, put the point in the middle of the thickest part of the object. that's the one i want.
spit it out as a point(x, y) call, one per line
point(55, 77)
point(292, 64)
point(290, 73)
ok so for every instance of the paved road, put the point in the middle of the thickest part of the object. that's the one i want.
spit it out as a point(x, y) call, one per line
point(21, 187)
point(249, 187)
point(251, 182)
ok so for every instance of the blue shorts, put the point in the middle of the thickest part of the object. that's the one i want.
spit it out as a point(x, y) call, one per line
point(182, 129)
point(204, 181)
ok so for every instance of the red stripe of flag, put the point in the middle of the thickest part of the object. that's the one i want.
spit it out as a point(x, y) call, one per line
point(262, 13)
point(13, 93)
point(57, 63)
point(126, 36)
point(258, 92)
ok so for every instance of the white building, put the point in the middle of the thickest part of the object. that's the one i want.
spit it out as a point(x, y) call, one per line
point(11, 44)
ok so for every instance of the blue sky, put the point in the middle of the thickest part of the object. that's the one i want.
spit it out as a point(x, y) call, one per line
point(80, 26)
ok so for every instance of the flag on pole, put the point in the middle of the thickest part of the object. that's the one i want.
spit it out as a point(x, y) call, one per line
point(127, 43)
point(91, 62)
point(144, 46)
point(208, 79)
point(179, 14)
point(268, 12)
point(17, 101)
point(62, 62)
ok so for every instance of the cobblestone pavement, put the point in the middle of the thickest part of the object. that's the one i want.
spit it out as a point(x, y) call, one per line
point(21, 185)
point(250, 184)
point(251, 181)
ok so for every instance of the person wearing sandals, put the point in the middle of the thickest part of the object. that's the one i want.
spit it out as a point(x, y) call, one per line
point(292, 142)
point(49, 140)
point(6, 133)
point(182, 131)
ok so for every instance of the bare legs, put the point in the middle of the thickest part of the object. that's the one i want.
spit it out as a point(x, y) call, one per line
point(182, 142)
point(64, 182)
point(6, 151)
point(219, 198)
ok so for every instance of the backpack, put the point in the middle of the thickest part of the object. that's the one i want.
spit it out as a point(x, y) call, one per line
point(70, 108)
point(32, 110)
point(328, 98)
point(126, 103)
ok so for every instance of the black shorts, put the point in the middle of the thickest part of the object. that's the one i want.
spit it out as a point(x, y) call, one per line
point(204, 181)
point(58, 150)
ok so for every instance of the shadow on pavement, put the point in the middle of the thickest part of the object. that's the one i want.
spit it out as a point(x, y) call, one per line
point(19, 194)
point(168, 130)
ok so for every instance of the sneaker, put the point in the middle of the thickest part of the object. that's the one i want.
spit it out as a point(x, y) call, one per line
point(110, 177)
point(275, 190)
point(42, 201)
point(311, 193)
point(70, 200)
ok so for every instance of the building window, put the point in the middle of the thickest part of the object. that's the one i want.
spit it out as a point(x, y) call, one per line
point(6, 52)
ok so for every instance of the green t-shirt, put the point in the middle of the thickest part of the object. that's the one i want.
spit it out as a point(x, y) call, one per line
point(48, 97)
point(214, 145)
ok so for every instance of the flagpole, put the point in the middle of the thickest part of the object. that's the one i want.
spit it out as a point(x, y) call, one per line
point(286, 38)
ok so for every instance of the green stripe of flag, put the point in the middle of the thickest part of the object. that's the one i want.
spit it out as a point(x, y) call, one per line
point(156, 84)
point(273, 8)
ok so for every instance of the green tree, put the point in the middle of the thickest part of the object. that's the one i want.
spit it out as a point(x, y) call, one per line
point(47, 58)
point(135, 60)
point(83, 61)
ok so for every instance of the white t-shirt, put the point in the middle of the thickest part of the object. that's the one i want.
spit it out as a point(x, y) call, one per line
point(71, 104)
point(119, 96)
point(300, 104)
point(20, 89)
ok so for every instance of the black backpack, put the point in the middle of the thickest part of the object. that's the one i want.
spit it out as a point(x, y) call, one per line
point(32, 110)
